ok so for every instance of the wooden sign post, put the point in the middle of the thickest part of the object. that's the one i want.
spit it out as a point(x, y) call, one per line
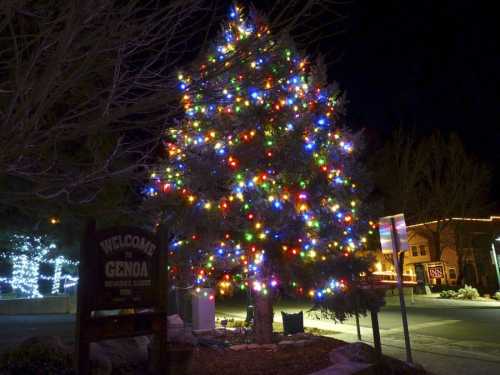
point(120, 268)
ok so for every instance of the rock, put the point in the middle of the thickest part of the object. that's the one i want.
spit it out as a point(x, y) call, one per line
point(175, 326)
point(271, 347)
point(100, 364)
point(211, 342)
point(178, 333)
point(175, 321)
point(238, 348)
point(118, 353)
point(182, 336)
point(302, 343)
point(303, 335)
point(286, 343)
point(348, 368)
point(356, 352)
point(220, 332)
point(253, 346)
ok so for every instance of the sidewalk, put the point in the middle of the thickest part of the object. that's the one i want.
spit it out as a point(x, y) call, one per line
point(433, 301)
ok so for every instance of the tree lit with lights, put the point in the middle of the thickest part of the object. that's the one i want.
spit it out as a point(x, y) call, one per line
point(261, 165)
point(28, 253)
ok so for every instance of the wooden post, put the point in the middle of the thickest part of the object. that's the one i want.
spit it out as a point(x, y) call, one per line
point(161, 338)
point(376, 334)
point(82, 352)
point(358, 328)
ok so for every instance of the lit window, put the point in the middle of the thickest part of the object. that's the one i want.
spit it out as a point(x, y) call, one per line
point(414, 251)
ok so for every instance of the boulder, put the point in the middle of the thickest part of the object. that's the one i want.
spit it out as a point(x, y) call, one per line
point(175, 321)
point(175, 326)
point(119, 353)
point(238, 348)
point(302, 343)
point(178, 333)
point(355, 352)
point(183, 336)
point(272, 347)
point(285, 343)
point(100, 364)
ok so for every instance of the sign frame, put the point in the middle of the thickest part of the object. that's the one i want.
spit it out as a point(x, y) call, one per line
point(118, 262)
point(393, 234)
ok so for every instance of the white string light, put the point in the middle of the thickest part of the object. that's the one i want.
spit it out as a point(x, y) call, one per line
point(30, 253)
point(56, 282)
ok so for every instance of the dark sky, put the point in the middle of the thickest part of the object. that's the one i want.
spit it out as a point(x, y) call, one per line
point(423, 64)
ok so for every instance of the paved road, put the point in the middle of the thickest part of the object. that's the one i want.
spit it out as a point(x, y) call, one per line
point(448, 337)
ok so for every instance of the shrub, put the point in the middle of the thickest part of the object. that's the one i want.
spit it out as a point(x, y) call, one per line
point(448, 294)
point(467, 292)
point(29, 360)
point(497, 296)
point(341, 306)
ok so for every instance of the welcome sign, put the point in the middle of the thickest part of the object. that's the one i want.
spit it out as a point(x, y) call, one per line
point(121, 267)
point(126, 268)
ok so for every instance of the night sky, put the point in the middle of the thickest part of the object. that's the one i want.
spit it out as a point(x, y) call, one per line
point(422, 64)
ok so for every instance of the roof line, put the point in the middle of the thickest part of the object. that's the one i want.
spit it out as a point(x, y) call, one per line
point(490, 219)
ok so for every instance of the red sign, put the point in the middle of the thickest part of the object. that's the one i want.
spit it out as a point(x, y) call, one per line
point(436, 272)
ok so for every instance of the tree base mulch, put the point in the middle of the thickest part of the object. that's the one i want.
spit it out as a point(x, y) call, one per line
point(288, 360)
point(267, 360)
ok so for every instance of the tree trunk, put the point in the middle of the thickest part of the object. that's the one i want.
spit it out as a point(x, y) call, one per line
point(263, 319)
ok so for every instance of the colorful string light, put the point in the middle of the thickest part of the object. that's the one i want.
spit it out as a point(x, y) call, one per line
point(260, 157)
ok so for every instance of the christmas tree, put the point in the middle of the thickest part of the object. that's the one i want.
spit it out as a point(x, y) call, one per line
point(260, 170)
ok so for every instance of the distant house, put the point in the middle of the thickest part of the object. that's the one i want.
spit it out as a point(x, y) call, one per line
point(453, 252)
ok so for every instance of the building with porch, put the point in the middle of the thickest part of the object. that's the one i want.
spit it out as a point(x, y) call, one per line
point(452, 253)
